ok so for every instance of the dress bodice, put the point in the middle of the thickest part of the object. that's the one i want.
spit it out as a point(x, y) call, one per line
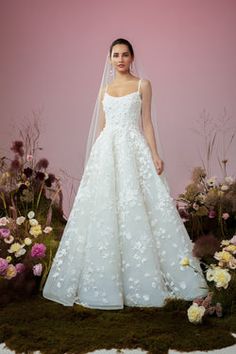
point(122, 111)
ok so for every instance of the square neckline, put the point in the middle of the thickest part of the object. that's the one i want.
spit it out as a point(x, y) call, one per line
point(128, 94)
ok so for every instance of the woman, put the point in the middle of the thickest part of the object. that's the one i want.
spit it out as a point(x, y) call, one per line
point(124, 239)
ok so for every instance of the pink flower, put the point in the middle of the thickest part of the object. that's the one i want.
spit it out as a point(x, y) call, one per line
point(3, 266)
point(38, 250)
point(225, 216)
point(198, 301)
point(212, 214)
point(29, 157)
point(20, 267)
point(37, 269)
point(233, 240)
point(4, 233)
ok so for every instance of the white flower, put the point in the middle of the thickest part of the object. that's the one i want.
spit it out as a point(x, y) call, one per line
point(232, 264)
point(31, 214)
point(20, 252)
point(47, 229)
point(195, 313)
point(224, 187)
point(20, 220)
point(229, 179)
point(225, 242)
point(211, 181)
point(33, 222)
point(3, 221)
point(210, 274)
point(27, 241)
point(220, 276)
point(9, 239)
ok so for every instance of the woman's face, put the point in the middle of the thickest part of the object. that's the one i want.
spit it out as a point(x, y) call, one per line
point(121, 57)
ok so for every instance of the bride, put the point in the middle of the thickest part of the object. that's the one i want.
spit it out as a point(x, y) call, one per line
point(124, 239)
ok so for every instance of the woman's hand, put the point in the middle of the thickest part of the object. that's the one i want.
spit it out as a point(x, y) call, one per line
point(159, 163)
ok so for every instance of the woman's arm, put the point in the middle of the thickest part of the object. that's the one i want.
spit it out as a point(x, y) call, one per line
point(146, 90)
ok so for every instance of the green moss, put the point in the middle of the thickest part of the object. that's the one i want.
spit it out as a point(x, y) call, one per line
point(40, 324)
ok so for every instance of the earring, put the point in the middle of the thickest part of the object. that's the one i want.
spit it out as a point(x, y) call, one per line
point(111, 70)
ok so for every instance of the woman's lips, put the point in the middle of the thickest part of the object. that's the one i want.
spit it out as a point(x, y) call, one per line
point(121, 65)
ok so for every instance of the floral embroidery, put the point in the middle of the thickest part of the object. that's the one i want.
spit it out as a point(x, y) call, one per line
point(124, 238)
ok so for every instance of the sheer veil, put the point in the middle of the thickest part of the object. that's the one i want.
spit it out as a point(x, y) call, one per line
point(107, 77)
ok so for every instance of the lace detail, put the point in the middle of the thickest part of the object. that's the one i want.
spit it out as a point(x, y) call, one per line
point(124, 238)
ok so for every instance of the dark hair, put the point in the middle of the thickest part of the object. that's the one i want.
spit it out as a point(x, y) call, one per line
point(122, 41)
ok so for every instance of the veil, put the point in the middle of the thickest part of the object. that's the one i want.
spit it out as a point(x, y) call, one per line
point(94, 130)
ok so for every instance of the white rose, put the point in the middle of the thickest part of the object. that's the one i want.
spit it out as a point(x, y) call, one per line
point(222, 278)
point(20, 252)
point(47, 229)
point(3, 221)
point(33, 222)
point(20, 220)
point(30, 214)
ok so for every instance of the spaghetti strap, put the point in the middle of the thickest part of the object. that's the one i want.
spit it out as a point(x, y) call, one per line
point(139, 85)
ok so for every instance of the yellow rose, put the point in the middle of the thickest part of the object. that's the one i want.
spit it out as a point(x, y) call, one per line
point(36, 230)
point(185, 262)
point(223, 256)
point(222, 278)
point(230, 248)
point(11, 272)
point(195, 313)
point(15, 247)
point(8, 259)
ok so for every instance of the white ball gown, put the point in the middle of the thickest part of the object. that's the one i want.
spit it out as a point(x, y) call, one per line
point(124, 238)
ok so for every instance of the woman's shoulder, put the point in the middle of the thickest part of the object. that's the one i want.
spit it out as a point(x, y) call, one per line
point(145, 85)
point(145, 82)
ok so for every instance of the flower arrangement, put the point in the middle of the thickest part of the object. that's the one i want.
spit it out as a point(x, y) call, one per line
point(208, 205)
point(24, 244)
point(31, 216)
point(221, 276)
point(203, 307)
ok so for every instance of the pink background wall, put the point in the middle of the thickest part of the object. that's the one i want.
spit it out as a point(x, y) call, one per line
point(52, 56)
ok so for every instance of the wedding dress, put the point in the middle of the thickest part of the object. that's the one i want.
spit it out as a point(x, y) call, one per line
point(124, 238)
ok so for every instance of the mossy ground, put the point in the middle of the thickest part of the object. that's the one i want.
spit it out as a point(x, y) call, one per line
point(41, 324)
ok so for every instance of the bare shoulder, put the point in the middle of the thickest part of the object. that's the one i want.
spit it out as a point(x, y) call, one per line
point(145, 85)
